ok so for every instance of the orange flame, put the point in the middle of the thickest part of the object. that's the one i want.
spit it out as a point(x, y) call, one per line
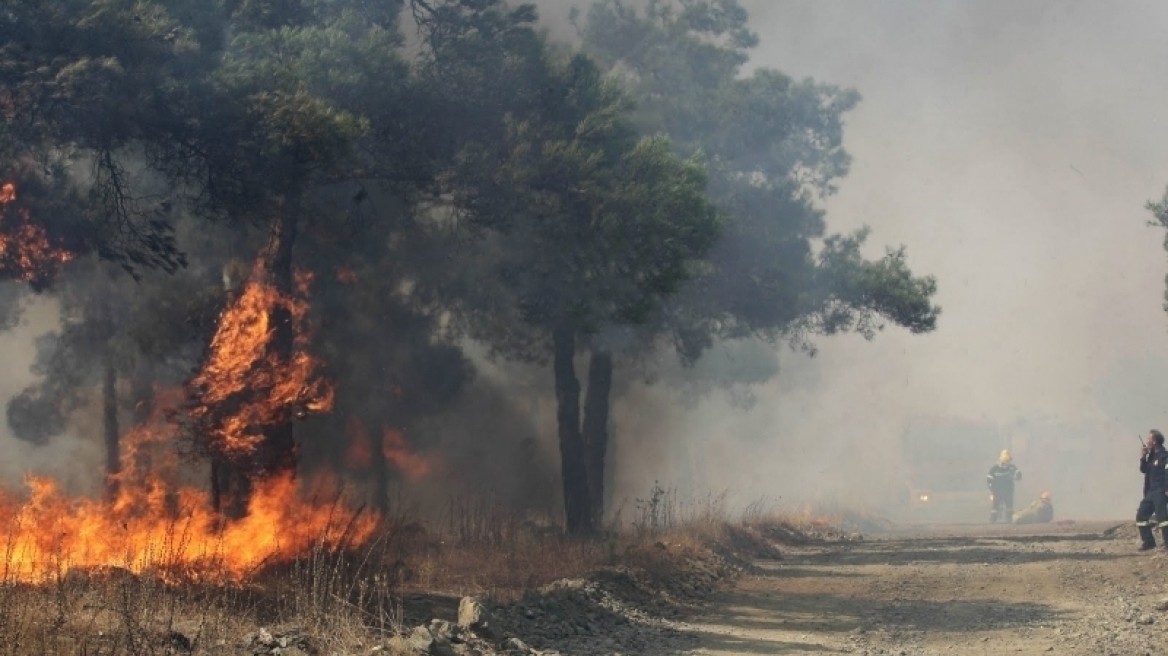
point(245, 386)
point(394, 448)
point(346, 275)
point(359, 454)
point(25, 249)
point(154, 526)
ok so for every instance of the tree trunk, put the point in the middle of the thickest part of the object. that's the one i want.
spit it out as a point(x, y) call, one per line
point(573, 457)
point(109, 406)
point(232, 481)
point(596, 413)
point(142, 396)
point(142, 392)
point(380, 470)
point(277, 453)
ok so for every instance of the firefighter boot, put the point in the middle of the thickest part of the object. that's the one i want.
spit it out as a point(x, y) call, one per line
point(1149, 542)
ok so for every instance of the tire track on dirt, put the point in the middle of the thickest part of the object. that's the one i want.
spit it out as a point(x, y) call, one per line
point(1077, 589)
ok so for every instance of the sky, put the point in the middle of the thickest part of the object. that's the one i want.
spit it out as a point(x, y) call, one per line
point(1012, 148)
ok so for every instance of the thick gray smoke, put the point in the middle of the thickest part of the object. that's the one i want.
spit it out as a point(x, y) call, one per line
point(70, 457)
point(1012, 148)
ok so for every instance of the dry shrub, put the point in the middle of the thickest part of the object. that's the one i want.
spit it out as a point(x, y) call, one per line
point(478, 547)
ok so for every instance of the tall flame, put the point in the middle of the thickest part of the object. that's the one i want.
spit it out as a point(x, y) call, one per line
point(25, 249)
point(246, 386)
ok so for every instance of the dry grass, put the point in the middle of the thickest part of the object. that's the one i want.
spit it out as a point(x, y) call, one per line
point(350, 599)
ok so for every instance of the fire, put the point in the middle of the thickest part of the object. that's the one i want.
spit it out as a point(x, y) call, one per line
point(149, 522)
point(25, 250)
point(394, 449)
point(152, 525)
point(346, 275)
point(359, 455)
point(245, 386)
point(143, 530)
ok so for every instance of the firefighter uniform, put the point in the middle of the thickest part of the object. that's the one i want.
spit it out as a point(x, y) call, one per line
point(1039, 512)
point(1001, 480)
point(1153, 510)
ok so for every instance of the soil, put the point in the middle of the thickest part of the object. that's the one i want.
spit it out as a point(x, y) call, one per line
point(1070, 588)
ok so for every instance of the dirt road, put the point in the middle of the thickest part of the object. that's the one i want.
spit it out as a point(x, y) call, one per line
point(1081, 589)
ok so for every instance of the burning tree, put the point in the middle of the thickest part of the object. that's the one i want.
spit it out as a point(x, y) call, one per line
point(252, 386)
point(26, 252)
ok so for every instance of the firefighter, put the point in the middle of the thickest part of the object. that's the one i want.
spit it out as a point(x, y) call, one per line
point(1153, 463)
point(1001, 480)
point(1039, 512)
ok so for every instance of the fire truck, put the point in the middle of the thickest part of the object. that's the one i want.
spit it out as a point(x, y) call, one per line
point(945, 462)
point(1086, 465)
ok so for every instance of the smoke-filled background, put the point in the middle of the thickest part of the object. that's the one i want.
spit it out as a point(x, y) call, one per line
point(1012, 149)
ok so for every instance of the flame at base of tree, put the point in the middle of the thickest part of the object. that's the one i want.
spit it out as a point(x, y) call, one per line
point(25, 250)
point(246, 386)
point(153, 525)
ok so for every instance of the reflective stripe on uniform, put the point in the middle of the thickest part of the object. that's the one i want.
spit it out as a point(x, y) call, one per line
point(1142, 523)
point(1162, 525)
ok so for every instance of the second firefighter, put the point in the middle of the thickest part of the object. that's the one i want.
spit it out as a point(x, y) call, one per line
point(1001, 481)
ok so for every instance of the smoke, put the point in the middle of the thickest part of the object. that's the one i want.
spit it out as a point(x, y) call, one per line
point(69, 457)
point(1011, 148)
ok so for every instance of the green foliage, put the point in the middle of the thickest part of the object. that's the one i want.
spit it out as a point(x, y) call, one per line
point(592, 226)
point(775, 146)
point(1159, 210)
point(858, 288)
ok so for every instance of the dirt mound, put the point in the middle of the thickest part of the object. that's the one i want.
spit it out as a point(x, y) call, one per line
point(623, 608)
point(628, 607)
point(1124, 531)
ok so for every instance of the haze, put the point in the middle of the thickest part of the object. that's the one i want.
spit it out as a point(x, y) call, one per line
point(1012, 148)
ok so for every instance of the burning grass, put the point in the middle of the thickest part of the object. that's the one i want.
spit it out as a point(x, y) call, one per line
point(344, 594)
